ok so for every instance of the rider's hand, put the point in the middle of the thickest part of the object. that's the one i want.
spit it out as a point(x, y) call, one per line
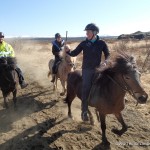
point(65, 43)
point(103, 64)
point(67, 48)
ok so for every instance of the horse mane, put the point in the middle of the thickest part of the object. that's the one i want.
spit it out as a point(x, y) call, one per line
point(63, 52)
point(10, 62)
point(121, 64)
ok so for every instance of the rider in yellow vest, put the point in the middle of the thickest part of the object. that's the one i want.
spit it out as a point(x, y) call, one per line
point(6, 50)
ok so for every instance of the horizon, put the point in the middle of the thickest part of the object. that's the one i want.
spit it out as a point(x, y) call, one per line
point(70, 36)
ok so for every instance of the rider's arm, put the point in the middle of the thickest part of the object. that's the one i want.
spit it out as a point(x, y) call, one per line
point(106, 52)
point(12, 53)
point(55, 50)
point(76, 51)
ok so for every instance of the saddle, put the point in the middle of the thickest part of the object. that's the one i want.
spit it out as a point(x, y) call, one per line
point(92, 98)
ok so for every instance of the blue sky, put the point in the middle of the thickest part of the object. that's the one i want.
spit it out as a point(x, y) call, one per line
point(46, 17)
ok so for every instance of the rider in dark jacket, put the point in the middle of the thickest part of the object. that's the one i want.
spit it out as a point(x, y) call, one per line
point(56, 49)
point(92, 49)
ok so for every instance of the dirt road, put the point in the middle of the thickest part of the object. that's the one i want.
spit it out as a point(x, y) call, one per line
point(41, 122)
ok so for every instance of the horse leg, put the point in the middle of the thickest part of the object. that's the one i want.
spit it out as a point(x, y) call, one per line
point(69, 98)
point(63, 85)
point(54, 88)
point(56, 83)
point(97, 114)
point(91, 117)
point(124, 126)
point(5, 100)
point(14, 98)
point(69, 102)
point(103, 128)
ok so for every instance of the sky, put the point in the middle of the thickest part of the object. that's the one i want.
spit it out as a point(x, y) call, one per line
point(44, 18)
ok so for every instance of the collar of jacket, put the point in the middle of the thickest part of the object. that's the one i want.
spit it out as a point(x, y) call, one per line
point(97, 39)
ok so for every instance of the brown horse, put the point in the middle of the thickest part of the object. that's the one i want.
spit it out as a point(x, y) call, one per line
point(8, 79)
point(66, 65)
point(108, 90)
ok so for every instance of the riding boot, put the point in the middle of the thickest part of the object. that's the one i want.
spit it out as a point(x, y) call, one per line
point(84, 116)
point(22, 83)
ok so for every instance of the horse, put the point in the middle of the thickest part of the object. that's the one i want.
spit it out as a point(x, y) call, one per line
point(8, 79)
point(66, 65)
point(107, 94)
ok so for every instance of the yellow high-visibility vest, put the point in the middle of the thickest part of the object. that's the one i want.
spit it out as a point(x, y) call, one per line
point(6, 50)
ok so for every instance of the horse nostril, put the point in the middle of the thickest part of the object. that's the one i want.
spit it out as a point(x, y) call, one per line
point(142, 99)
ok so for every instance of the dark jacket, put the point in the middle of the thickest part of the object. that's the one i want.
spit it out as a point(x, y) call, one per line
point(57, 47)
point(92, 53)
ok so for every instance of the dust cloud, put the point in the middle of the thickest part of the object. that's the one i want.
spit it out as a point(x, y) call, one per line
point(33, 61)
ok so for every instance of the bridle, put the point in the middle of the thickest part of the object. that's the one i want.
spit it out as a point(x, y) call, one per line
point(125, 87)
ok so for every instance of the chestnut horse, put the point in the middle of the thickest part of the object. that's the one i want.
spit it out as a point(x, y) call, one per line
point(108, 90)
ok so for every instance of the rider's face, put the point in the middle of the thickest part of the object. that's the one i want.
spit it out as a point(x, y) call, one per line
point(59, 39)
point(1, 39)
point(89, 34)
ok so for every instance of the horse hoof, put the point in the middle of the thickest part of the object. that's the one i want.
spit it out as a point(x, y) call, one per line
point(5, 106)
point(116, 131)
point(62, 94)
point(105, 143)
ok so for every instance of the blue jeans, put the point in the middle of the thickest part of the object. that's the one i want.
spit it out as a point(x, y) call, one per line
point(87, 79)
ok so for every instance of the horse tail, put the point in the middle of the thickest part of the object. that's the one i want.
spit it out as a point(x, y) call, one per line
point(49, 73)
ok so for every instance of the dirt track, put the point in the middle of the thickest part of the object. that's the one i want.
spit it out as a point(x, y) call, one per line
point(41, 122)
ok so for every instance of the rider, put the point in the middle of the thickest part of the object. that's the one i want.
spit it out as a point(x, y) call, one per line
point(6, 50)
point(92, 51)
point(56, 49)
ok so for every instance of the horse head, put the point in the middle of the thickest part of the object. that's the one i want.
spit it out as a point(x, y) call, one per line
point(130, 77)
point(68, 59)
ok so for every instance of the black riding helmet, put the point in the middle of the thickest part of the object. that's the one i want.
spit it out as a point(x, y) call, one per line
point(57, 35)
point(92, 27)
point(1, 34)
